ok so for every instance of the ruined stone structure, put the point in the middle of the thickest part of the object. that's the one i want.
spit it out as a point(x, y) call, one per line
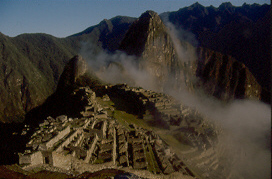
point(182, 121)
point(164, 107)
point(97, 139)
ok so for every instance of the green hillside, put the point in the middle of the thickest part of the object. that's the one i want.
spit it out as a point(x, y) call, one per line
point(30, 66)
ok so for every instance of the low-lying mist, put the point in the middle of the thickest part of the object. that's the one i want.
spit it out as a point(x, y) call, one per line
point(243, 146)
point(117, 68)
point(244, 143)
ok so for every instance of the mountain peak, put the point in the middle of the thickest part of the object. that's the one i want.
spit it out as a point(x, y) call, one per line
point(75, 68)
point(197, 9)
point(149, 13)
point(149, 40)
point(196, 5)
point(225, 5)
point(149, 16)
point(137, 36)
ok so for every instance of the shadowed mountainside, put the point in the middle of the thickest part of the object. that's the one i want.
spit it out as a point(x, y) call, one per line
point(107, 34)
point(242, 32)
point(30, 68)
point(226, 78)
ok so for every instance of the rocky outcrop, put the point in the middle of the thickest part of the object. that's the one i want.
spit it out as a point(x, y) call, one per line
point(75, 68)
point(75, 74)
point(149, 40)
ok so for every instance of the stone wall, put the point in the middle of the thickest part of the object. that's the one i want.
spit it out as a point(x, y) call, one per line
point(90, 151)
point(37, 158)
point(114, 155)
point(108, 142)
point(81, 137)
point(87, 122)
point(68, 140)
point(33, 159)
point(25, 159)
point(47, 157)
point(60, 135)
point(62, 161)
point(104, 128)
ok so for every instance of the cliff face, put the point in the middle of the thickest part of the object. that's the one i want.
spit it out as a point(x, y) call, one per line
point(228, 28)
point(75, 68)
point(226, 78)
point(149, 40)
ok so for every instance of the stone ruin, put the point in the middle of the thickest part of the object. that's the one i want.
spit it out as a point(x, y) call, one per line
point(171, 114)
point(97, 139)
point(184, 123)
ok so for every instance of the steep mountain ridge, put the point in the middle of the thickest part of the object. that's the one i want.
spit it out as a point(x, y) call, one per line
point(174, 65)
point(226, 78)
point(168, 114)
point(241, 32)
point(107, 34)
point(197, 18)
point(251, 38)
point(149, 40)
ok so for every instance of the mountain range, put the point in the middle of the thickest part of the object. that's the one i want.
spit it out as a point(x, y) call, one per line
point(231, 42)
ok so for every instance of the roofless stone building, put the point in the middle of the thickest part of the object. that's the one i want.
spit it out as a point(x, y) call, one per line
point(97, 139)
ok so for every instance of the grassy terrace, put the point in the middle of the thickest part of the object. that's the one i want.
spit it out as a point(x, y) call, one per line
point(148, 122)
point(152, 163)
point(122, 116)
point(125, 119)
point(172, 141)
point(99, 161)
point(177, 147)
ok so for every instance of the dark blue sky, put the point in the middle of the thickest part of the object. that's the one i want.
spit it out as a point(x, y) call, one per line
point(65, 17)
